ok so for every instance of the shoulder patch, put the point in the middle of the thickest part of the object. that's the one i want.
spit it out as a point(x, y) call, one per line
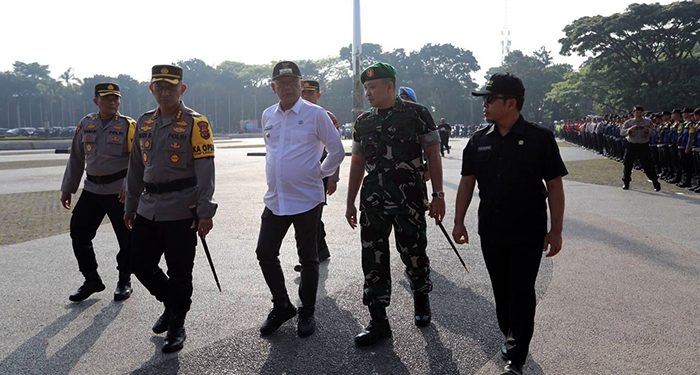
point(202, 138)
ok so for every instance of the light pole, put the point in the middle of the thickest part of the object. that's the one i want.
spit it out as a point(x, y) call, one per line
point(357, 93)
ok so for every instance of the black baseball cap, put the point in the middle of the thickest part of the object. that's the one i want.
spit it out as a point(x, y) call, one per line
point(286, 68)
point(638, 108)
point(104, 89)
point(504, 84)
point(666, 113)
point(677, 110)
point(688, 110)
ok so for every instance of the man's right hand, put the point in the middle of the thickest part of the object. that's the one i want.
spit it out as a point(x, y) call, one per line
point(129, 220)
point(65, 200)
point(459, 234)
point(351, 215)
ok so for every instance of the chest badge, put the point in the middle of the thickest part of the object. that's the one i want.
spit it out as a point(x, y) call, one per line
point(145, 157)
point(174, 158)
point(115, 139)
point(88, 148)
point(117, 127)
point(521, 142)
point(181, 123)
point(148, 122)
point(147, 144)
point(179, 129)
point(91, 126)
point(175, 146)
point(146, 128)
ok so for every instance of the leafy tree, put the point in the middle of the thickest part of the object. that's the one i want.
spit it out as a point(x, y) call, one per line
point(647, 53)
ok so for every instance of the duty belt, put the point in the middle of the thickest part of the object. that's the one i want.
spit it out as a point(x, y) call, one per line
point(170, 186)
point(101, 180)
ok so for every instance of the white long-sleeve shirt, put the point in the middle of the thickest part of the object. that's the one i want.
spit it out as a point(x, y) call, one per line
point(294, 140)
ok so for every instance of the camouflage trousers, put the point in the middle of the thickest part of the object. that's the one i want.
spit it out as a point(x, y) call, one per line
point(411, 241)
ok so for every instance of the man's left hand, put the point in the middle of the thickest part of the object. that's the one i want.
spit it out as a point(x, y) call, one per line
point(552, 244)
point(331, 187)
point(203, 227)
point(437, 209)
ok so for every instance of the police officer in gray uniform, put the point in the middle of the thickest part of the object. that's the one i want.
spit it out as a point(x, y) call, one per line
point(169, 198)
point(101, 145)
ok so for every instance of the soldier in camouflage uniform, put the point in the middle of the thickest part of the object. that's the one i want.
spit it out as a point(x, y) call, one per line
point(101, 146)
point(387, 143)
point(170, 185)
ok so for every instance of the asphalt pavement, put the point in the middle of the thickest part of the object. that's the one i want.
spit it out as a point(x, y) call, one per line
point(622, 297)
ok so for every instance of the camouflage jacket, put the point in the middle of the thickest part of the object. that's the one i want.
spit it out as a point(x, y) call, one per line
point(392, 142)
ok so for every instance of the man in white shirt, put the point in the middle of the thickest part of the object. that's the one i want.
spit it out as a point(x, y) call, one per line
point(295, 133)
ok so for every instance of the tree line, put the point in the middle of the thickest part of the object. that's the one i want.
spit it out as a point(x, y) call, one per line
point(649, 54)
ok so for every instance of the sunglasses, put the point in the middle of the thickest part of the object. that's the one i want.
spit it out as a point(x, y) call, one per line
point(488, 99)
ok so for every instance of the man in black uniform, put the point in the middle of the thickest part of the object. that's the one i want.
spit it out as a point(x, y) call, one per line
point(444, 129)
point(170, 185)
point(510, 160)
point(101, 145)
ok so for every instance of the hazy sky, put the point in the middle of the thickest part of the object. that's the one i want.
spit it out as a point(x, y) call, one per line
point(129, 36)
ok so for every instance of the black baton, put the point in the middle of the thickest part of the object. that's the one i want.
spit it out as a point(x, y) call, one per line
point(206, 248)
point(453, 245)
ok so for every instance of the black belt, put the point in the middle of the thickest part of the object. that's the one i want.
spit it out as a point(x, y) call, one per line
point(170, 186)
point(101, 180)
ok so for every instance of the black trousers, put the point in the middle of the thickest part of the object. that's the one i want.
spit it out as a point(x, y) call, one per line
point(638, 151)
point(177, 241)
point(686, 164)
point(513, 270)
point(323, 251)
point(87, 217)
point(444, 142)
point(273, 228)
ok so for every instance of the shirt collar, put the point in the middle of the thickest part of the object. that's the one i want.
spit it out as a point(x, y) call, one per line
point(296, 108)
point(518, 128)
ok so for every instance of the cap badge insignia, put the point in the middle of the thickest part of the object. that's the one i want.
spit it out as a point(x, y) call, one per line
point(110, 87)
point(370, 72)
point(164, 70)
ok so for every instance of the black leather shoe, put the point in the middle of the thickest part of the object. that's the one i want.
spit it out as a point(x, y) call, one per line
point(276, 318)
point(123, 291)
point(421, 304)
point(626, 186)
point(375, 332)
point(175, 340)
point(657, 185)
point(513, 369)
point(306, 324)
point(504, 352)
point(161, 324)
point(88, 288)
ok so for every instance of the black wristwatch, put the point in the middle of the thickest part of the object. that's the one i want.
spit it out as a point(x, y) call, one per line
point(439, 194)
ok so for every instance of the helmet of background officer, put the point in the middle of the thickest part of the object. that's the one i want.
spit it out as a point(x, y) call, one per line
point(665, 116)
point(379, 81)
point(687, 114)
point(107, 98)
point(407, 94)
point(676, 115)
point(311, 91)
point(286, 83)
point(166, 86)
point(504, 96)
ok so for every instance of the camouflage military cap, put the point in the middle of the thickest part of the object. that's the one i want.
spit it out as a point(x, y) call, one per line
point(378, 70)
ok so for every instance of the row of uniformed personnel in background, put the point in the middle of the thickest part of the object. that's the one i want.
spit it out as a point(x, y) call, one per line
point(674, 142)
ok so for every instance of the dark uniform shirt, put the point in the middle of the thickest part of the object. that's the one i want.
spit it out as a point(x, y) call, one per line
point(392, 142)
point(510, 171)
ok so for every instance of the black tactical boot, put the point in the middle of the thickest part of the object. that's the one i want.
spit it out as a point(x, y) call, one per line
point(306, 324)
point(93, 284)
point(123, 290)
point(175, 339)
point(378, 328)
point(657, 185)
point(162, 323)
point(421, 303)
point(279, 314)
